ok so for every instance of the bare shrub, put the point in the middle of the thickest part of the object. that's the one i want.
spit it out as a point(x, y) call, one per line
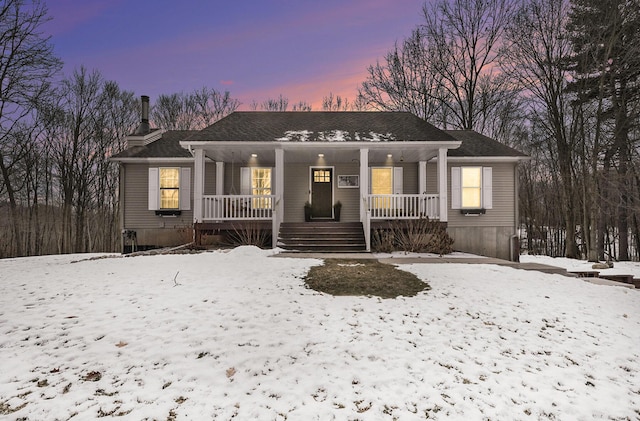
point(250, 233)
point(382, 241)
point(413, 235)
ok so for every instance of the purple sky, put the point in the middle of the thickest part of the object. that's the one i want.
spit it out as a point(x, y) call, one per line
point(256, 49)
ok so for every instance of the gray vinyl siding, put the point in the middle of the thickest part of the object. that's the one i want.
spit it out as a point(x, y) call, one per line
point(136, 200)
point(432, 178)
point(350, 198)
point(489, 234)
point(297, 191)
point(503, 212)
point(410, 178)
point(232, 178)
point(209, 178)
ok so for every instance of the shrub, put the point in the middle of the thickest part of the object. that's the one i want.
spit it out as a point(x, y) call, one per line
point(250, 233)
point(413, 235)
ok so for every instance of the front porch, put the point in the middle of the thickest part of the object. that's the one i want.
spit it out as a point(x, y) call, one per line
point(292, 174)
point(232, 212)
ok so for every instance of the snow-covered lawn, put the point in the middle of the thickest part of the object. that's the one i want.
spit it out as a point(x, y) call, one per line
point(573, 265)
point(237, 334)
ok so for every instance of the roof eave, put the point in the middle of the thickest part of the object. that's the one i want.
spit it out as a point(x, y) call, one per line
point(487, 158)
point(449, 144)
point(136, 160)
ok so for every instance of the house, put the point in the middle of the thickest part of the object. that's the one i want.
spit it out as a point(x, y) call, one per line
point(264, 166)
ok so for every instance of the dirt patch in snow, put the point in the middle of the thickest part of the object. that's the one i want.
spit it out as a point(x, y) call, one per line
point(363, 277)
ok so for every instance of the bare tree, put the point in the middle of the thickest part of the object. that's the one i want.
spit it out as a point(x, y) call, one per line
point(464, 39)
point(192, 111)
point(405, 81)
point(275, 104)
point(335, 103)
point(211, 105)
point(301, 106)
point(534, 58)
point(27, 65)
point(173, 112)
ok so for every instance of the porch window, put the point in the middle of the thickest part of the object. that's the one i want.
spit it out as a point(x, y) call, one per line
point(261, 186)
point(169, 188)
point(385, 180)
point(256, 181)
point(381, 183)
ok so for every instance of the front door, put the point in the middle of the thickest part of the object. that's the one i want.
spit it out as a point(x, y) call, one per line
point(321, 192)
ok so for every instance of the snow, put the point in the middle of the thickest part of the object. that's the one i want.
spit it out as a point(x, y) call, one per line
point(295, 135)
point(333, 136)
point(573, 265)
point(236, 334)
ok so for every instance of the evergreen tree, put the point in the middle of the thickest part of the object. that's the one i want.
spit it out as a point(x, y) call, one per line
point(606, 65)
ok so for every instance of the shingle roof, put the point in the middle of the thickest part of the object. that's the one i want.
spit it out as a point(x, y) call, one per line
point(168, 146)
point(475, 144)
point(321, 126)
point(261, 126)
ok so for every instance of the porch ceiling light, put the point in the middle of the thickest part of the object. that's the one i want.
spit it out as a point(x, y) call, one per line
point(254, 155)
point(320, 155)
point(389, 155)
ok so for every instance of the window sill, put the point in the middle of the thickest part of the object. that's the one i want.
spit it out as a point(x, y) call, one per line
point(473, 212)
point(168, 212)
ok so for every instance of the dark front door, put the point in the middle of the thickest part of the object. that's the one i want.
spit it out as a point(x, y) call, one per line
point(321, 192)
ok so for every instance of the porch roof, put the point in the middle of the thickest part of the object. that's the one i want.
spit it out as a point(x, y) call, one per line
point(341, 126)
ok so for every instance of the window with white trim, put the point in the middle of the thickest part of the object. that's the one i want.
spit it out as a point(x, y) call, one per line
point(471, 188)
point(385, 181)
point(256, 181)
point(169, 188)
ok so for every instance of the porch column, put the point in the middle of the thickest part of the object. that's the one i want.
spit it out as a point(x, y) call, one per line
point(364, 182)
point(364, 192)
point(219, 178)
point(278, 209)
point(198, 185)
point(442, 183)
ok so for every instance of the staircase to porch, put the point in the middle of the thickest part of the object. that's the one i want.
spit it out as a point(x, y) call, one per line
point(322, 236)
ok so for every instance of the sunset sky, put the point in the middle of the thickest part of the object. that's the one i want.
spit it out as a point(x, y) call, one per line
point(256, 49)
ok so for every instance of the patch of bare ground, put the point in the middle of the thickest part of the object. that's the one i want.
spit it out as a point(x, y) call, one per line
point(367, 277)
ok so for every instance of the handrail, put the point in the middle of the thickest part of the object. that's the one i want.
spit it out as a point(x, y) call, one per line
point(238, 207)
point(403, 206)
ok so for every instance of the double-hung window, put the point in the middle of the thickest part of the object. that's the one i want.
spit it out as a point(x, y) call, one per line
point(169, 189)
point(471, 188)
point(256, 181)
point(385, 181)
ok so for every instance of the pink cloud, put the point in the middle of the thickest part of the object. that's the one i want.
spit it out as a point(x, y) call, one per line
point(226, 82)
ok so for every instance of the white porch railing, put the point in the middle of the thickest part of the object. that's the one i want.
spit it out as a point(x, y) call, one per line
point(238, 207)
point(403, 206)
